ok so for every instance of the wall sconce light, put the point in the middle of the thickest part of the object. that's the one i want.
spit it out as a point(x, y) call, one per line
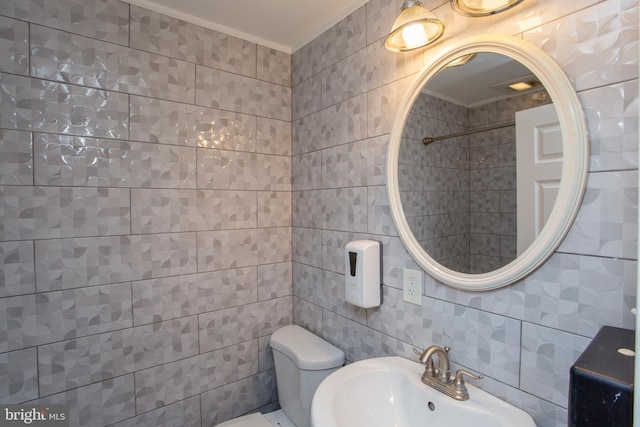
point(476, 8)
point(414, 28)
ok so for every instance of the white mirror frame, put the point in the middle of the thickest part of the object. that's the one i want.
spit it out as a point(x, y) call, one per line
point(575, 145)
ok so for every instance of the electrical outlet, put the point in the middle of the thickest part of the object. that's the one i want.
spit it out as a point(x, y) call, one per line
point(412, 286)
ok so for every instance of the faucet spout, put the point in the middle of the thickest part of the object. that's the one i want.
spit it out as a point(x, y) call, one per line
point(444, 367)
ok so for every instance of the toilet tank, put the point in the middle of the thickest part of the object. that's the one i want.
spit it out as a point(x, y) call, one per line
point(302, 361)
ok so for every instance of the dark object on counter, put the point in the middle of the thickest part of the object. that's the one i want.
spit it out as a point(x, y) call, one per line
point(601, 381)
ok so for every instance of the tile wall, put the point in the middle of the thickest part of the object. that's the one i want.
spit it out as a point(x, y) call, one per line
point(145, 203)
point(346, 90)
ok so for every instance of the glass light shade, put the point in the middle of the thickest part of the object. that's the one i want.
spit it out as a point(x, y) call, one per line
point(482, 7)
point(415, 27)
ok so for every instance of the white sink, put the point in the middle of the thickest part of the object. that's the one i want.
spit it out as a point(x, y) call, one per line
point(388, 392)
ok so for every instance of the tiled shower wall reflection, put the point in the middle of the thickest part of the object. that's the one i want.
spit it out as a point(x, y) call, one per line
point(145, 202)
point(346, 91)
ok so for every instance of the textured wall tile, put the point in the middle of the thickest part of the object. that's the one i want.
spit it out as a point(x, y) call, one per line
point(165, 384)
point(14, 46)
point(30, 320)
point(172, 297)
point(326, 289)
point(604, 34)
point(79, 161)
point(547, 355)
point(169, 36)
point(482, 341)
point(383, 104)
point(31, 104)
point(306, 98)
point(100, 19)
point(274, 66)
point(51, 212)
point(379, 213)
point(305, 62)
point(274, 209)
point(338, 209)
point(306, 171)
point(97, 404)
point(274, 281)
point(74, 263)
point(19, 370)
point(68, 58)
point(308, 133)
point(607, 221)
point(16, 158)
point(360, 163)
point(185, 413)
point(344, 122)
point(265, 356)
point(160, 211)
point(166, 122)
point(307, 246)
point(17, 275)
point(234, 325)
point(219, 89)
point(307, 315)
point(70, 364)
point(611, 114)
point(238, 398)
point(221, 169)
point(273, 137)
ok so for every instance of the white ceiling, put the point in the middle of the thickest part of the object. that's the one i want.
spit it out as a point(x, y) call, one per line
point(285, 25)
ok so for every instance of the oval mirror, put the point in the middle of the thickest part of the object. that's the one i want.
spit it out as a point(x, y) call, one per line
point(487, 162)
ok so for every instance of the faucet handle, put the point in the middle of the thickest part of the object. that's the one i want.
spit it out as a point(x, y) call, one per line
point(458, 382)
point(417, 351)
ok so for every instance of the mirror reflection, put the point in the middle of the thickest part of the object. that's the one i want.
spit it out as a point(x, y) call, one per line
point(480, 162)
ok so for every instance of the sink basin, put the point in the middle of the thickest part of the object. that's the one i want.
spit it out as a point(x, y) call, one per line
point(388, 392)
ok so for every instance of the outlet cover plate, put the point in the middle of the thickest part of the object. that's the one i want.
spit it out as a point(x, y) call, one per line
point(412, 286)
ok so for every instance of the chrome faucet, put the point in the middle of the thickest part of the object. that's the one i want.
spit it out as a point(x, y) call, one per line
point(440, 378)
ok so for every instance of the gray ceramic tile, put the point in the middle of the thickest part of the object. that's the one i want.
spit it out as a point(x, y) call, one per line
point(17, 276)
point(274, 281)
point(357, 164)
point(340, 209)
point(19, 370)
point(606, 224)
point(243, 248)
point(325, 289)
point(52, 212)
point(580, 40)
point(306, 98)
point(274, 66)
point(231, 170)
point(227, 91)
point(100, 19)
point(16, 158)
point(611, 114)
point(382, 105)
point(344, 122)
point(265, 355)
point(547, 356)
point(175, 381)
point(274, 209)
point(40, 105)
point(74, 263)
point(238, 398)
point(166, 122)
point(306, 171)
point(379, 212)
point(231, 326)
point(80, 161)
point(14, 46)
point(38, 319)
point(70, 364)
point(173, 297)
point(163, 210)
point(69, 58)
point(98, 404)
point(482, 341)
point(184, 413)
point(307, 246)
point(173, 37)
point(307, 315)
point(308, 133)
point(273, 137)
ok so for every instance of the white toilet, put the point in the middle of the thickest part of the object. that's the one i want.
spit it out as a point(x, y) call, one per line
point(302, 361)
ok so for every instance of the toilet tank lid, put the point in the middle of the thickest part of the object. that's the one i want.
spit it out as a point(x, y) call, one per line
point(306, 350)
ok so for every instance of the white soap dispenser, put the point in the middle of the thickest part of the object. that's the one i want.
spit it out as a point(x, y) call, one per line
point(362, 273)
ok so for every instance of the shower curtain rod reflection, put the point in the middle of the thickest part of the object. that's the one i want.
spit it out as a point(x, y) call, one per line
point(428, 140)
